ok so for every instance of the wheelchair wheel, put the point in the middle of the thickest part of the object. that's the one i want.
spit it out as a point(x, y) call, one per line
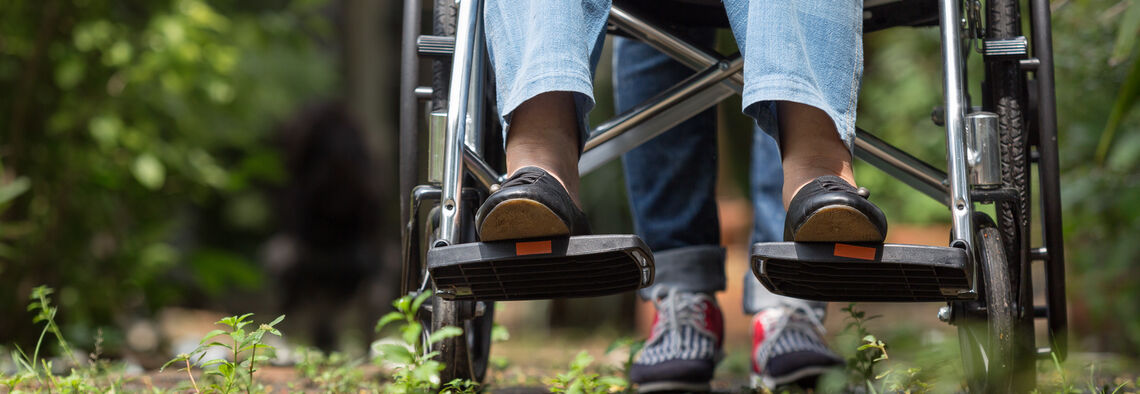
point(987, 327)
point(1004, 93)
point(465, 356)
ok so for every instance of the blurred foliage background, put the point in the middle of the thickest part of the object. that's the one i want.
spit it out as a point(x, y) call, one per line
point(138, 167)
point(136, 143)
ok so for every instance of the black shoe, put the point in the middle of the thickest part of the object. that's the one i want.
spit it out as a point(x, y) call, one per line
point(828, 209)
point(530, 204)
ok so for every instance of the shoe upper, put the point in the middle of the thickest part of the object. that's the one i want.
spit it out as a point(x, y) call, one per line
point(686, 339)
point(787, 340)
point(534, 183)
point(827, 191)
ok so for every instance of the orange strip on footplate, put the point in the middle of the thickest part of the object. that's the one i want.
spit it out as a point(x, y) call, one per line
point(855, 252)
point(532, 247)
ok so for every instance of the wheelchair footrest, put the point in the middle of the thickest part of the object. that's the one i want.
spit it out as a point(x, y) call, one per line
point(862, 272)
point(566, 267)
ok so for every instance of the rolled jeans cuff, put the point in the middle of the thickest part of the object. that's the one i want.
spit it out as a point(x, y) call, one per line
point(689, 269)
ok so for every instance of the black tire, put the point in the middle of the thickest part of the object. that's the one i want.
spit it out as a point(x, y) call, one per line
point(464, 357)
point(987, 328)
point(1005, 94)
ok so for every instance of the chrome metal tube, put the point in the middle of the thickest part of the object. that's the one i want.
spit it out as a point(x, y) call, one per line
point(643, 129)
point(983, 149)
point(409, 116)
point(955, 104)
point(901, 165)
point(688, 54)
point(473, 138)
point(466, 30)
point(482, 171)
point(667, 99)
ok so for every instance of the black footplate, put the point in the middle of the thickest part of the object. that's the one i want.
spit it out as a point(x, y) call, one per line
point(566, 267)
point(862, 272)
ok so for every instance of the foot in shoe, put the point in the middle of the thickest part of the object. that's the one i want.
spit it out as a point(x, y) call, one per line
point(788, 348)
point(684, 346)
point(530, 204)
point(828, 209)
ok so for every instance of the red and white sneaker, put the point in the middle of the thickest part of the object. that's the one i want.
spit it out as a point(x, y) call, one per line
point(788, 347)
point(685, 345)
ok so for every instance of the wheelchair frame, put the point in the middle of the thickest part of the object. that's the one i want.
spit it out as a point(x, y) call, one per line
point(458, 132)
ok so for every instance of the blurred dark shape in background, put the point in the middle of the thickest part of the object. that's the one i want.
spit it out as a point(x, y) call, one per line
point(327, 245)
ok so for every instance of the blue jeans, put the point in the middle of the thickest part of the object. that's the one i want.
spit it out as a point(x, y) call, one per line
point(671, 182)
point(810, 52)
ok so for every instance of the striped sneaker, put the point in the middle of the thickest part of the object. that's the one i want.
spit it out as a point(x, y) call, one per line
point(788, 347)
point(685, 344)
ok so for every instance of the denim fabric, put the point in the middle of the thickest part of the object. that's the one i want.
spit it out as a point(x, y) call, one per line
point(671, 179)
point(809, 52)
point(671, 182)
point(539, 46)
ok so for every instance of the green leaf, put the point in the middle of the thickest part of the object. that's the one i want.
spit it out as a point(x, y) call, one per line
point(1126, 34)
point(396, 353)
point(277, 320)
point(160, 369)
point(1125, 99)
point(214, 362)
point(581, 361)
point(499, 333)
point(226, 369)
point(211, 334)
point(70, 72)
point(612, 381)
point(105, 129)
point(444, 333)
point(403, 304)
point(411, 332)
point(14, 189)
point(219, 344)
point(419, 301)
point(149, 171)
point(388, 318)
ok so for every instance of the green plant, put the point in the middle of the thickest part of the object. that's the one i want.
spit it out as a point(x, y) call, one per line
point(39, 369)
point(415, 369)
point(34, 367)
point(579, 381)
point(460, 386)
point(871, 350)
point(45, 312)
point(224, 373)
point(634, 346)
point(333, 373)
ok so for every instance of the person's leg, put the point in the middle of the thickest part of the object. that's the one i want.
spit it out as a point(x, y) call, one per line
point(671, 183)
point(803, 62)
point(809, 355)
point(543, 53)
point(802, 65)
point(766, 178)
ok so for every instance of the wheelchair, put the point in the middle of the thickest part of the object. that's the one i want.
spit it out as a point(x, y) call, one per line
point(983, 275)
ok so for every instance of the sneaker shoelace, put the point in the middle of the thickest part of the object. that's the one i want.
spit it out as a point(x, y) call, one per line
point(677, 310)
point(809, 322)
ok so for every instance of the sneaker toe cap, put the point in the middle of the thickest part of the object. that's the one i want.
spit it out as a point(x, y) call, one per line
point(691, 371)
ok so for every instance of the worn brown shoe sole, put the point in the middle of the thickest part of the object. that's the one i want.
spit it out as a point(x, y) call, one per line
point(521, 218)
point(837, 223)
